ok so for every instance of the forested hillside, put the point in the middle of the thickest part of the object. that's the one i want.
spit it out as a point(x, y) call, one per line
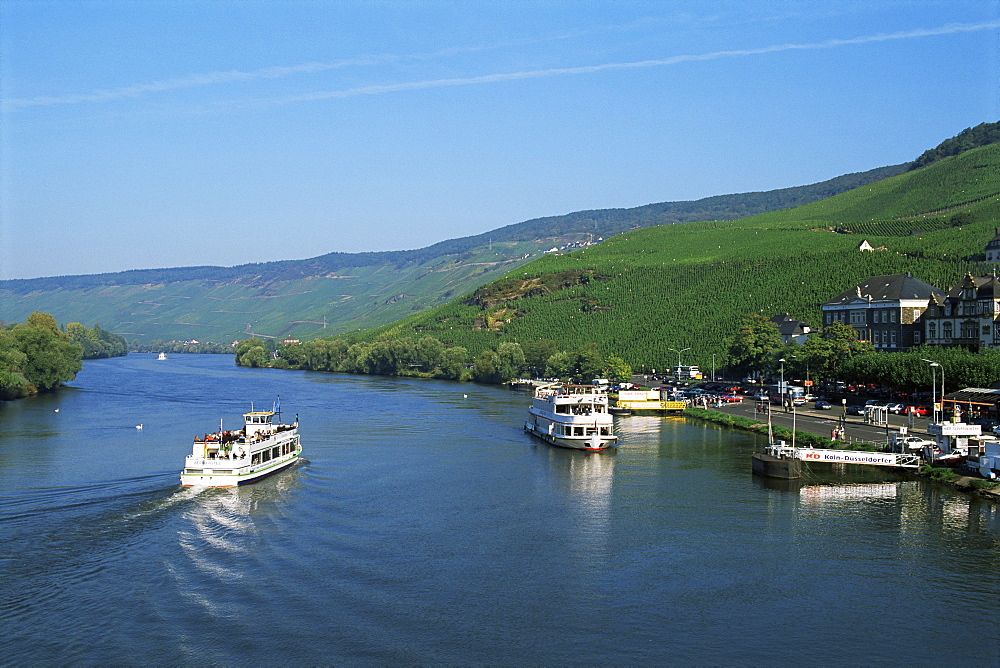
point(970, 138)
point(646, 293)
point(343, 292)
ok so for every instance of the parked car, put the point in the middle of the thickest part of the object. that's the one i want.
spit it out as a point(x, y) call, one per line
point(920, 411)
point(874, 402)
point(895, 408)
point(901, 443)
point(823, 405)
point(988, 424)
point(732, 398)
point(855, 410)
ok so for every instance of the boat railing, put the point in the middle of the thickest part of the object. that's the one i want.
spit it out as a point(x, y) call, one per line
point(781, 450)
point(216, 439)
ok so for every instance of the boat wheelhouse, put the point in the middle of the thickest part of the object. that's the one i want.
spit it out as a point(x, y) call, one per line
point(230, 458)
point(572, 416)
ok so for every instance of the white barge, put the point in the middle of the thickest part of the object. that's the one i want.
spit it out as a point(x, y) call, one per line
point(572, 416)
point(230, 458)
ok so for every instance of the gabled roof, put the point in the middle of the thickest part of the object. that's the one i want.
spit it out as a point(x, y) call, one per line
point(789, 326)
point(887, 288)
point(987, 287)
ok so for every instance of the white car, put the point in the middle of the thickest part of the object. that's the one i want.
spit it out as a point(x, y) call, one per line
point(895, 408)
point(912, 442)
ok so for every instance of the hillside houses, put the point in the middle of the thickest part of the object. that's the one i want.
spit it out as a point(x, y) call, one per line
point(898, 311)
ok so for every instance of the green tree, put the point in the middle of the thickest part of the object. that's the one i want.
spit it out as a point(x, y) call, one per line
point(589, 362)
point(50, 358)
point(251, 353)
point(829, 348)
point(560, 365)
point(753, 345)
point(13, 384)
point(484, 369)
point(453, 363)
point(617, 369)
point(429, 352)
point(536, 354)
point(509, 362)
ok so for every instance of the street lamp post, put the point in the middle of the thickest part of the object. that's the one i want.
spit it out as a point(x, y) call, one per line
point(713, 367)
point(678, 355)
point(781, 388)
point(934, 366)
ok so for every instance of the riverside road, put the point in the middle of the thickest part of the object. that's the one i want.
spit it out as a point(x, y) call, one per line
point(822, 422)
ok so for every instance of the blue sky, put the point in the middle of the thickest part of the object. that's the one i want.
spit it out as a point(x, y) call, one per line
point(162, 134)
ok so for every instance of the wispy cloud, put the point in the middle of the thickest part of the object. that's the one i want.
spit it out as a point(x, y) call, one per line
point(660, 62)
point(235, 76)
point(190, 81)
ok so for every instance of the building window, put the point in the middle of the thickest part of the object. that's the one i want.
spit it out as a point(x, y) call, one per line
point(892, 316)
point(857, 317)
point(829, 318)
point(892, 339)
point(875, 316)
point(968, 330)
point(932, 330)
point(916, 338)
point(946, 329)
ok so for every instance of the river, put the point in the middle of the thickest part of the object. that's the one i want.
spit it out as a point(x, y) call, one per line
point(424, 527)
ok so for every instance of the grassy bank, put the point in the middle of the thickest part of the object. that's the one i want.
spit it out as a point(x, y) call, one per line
point(780, 433)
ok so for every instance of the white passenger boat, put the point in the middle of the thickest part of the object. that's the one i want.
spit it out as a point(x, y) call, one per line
point(572, 416)
point(230, 458)
point(161, 356)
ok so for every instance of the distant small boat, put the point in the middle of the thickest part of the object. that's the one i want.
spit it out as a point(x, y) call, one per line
point(162, 356)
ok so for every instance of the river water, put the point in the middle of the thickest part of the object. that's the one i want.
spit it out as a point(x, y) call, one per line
point(424, 526)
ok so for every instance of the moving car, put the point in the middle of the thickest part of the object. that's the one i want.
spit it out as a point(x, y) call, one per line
point(823, 405)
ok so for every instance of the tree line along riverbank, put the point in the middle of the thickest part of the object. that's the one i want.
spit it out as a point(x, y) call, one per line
point(39, 356)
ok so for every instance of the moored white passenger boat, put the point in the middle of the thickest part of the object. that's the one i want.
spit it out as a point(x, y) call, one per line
point(230, 458)
point(572, 416)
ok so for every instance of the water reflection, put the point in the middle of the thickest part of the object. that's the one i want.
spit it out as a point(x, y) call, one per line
point(582, 484)
point(818, 494)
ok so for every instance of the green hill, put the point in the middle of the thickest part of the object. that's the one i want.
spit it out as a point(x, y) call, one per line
point(343, 292)
point(645, 292)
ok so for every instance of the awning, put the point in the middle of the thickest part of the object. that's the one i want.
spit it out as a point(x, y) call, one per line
point(974, 395)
